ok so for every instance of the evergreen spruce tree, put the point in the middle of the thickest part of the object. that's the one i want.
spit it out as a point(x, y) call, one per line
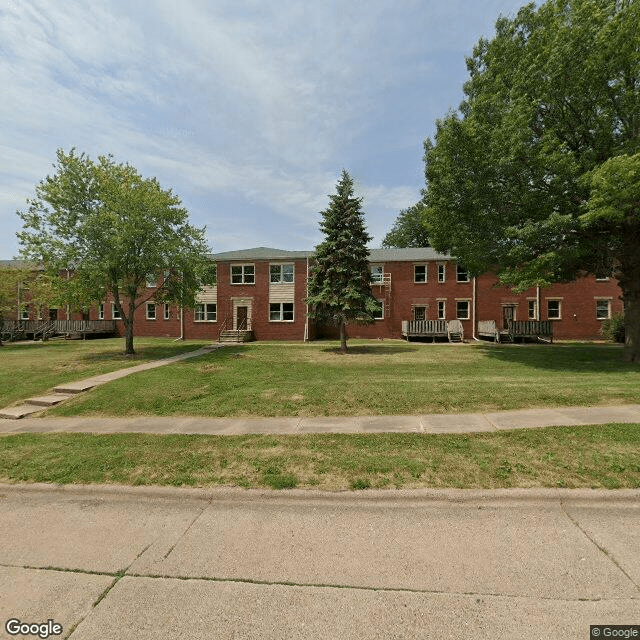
point(340, 281)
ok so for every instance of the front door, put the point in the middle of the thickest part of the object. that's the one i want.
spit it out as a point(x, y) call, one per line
point(241, 318)
point(419, 313)
point(508, 313)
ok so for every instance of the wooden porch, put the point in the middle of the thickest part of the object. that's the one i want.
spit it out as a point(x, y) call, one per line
point(451, 330)
point(44, 329)
point(516, 329)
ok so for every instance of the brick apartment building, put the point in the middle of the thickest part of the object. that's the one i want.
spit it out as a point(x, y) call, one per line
point(262, 291)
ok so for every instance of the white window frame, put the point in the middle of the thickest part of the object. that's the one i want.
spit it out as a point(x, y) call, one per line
point(166, 311)
point(462, 275)
point(599, 301)
point(244, 273)
point(152, 281)
point(115, 314)
point(559, 316)
point(381, 316)
point(422, 266)
point(204, 313)
point(151, 311)
point(458, 303)
point(530, 302)
point(377, 273)
point(442, 272)
point(24, 314)
point(280, 275)
point(101, 311)
point(442, 309)
point(277, 312)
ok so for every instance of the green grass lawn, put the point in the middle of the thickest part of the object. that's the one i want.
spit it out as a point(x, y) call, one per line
point(604, 456)
point(31, 369)
point(374, 378)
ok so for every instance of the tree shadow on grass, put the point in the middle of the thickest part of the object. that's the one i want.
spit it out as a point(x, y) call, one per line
point(571, 357)
point(371, 350)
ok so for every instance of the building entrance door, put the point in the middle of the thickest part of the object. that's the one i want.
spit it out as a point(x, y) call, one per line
point(508, 313)
point(241, 318)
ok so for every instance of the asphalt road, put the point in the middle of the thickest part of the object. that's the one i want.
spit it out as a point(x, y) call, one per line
point(120, 563)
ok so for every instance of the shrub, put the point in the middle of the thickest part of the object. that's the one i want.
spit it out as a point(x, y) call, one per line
point(613, 328)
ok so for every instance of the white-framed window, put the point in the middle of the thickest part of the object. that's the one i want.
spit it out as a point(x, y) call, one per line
point(101, 311)
point(151, 311)
point(462, 275)
point(554, 309)
point(152, 281)
point(419, 272)
point(442, 310)
point(462, 309)
point(24, 313)
point(115, 314)
point(603, 309)
point(206, 312)
point(442, 272)
point(281, 312)
point(419, 313)
point(377, 273)
point(379, 313)
point(532, 309)
point(167, 311)
point(243, 274)
point(281, 273)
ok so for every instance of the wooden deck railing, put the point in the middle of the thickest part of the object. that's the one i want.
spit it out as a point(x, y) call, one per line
point(424, 327)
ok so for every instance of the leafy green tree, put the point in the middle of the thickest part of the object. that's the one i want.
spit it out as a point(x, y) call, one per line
point(408, 230)
point(340, 280)
point(536, 174)
point(113, 229)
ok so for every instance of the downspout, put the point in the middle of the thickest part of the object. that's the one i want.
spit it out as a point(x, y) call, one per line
point(306, 320)
point(474, 312)
point(538, 302)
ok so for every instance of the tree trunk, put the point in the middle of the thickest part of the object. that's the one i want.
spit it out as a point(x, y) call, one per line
point(632, 326)
point(629, 281)
point(343, 338)
point(128, 326)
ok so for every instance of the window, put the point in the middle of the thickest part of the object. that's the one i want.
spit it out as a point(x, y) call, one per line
point(281, 312)
point(442, 310)
point(419, 272)
point(243, 274)
point(115, 313)
point(441, 273)
point(603, 309)
point(461, 274)
point(152, 281)
point(532, 306)
point(554, 309)
point(24, 314)
point(206, 312)
point(377, 271)
point(167, 311)
point(462, 309)
point(379, 313)
point(101, 311)
point(419, 313)
point(281, 273)
point(151, 311)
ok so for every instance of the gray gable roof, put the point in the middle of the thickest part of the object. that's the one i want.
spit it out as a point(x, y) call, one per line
point(375, 255)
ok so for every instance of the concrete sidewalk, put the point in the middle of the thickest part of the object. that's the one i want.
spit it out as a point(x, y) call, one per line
point(118, 563)
point(435, 423)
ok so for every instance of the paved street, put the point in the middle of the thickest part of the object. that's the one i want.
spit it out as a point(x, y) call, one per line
point(148, 563)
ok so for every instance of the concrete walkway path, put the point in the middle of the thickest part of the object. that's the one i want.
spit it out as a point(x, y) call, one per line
point(66, 391)
point(118, 563)
point(435, 423)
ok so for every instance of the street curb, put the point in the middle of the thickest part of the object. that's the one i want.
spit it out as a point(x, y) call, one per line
point(237, 494)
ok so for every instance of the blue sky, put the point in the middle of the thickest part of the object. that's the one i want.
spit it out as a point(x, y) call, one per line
point(247, 109)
